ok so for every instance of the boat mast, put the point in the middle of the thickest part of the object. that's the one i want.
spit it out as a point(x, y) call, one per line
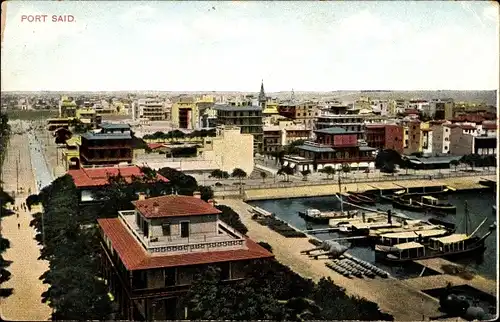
point(466, 214)
point(341, 197)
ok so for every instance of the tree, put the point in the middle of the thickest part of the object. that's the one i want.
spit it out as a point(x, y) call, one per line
point(230, 217)
point(4, 244)
point(346, 168)
point(305, 173)
point(405, 164)
point(329, 171)
point(455, 164)
point(263, 175)
point(217, 174)
point(238, 173)
point(286, 172)
point(206, 192)
point(386, 157)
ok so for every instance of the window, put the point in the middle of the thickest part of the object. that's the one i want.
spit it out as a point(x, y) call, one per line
point(170, 276)
point(445, 147)
point(145, 228)
point(184, 229)
point(225, 271)
point(166, 229)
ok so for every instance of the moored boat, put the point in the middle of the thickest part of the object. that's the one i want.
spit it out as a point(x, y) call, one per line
point(432, 203)
point(410, 204)
point(363, 198)
point(316, 216)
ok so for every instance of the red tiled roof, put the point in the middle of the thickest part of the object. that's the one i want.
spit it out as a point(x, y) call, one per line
point(489, 126)
point(135, 257)
point(450, 125)
point(375, 126)
point(94, 177)
point(411, 111)
point(174, 206)
point(153, 146)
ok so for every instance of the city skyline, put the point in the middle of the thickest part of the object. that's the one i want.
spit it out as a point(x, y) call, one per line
point(232, 46)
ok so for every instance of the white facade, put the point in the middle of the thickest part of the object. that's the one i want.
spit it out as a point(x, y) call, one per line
point(149, 108)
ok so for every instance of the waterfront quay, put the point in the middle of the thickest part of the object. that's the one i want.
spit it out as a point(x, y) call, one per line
point(458, 181)
point(387, 293)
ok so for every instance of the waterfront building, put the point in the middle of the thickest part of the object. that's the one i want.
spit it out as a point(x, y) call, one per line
point(441, 138)
point(247, 118)
point(426, 137)
point(385, 136)
point(89, 180)
point(228, 150)
point(110, 144)
point(334, 147)
point(151, 254)
point(413, 137)
point(465, 141)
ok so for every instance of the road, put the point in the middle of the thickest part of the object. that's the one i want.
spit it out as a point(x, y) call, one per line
point(25, 302)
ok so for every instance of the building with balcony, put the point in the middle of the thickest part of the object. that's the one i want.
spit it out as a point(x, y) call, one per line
point(353, 123)
point(89, 180)
point(304, 113)
point(111, 144)
point(413, 137)
point(247, 118)
point(385, 136)
point(152, 109)
point(333, 147)
point(192, 113)
point(283, 133)
point(151, 254)
point(441, 108)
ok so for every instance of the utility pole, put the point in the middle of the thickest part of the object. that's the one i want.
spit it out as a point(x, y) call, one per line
point(17, 172)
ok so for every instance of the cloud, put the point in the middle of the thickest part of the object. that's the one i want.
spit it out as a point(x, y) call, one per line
point(492, 12)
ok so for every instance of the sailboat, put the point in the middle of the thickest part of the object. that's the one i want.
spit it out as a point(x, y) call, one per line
point(454, 245)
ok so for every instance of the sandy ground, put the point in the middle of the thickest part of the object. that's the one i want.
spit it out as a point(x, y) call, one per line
point(391, 295)
point(25, 303)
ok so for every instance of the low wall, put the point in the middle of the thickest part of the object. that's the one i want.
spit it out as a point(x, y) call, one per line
point(459, 183)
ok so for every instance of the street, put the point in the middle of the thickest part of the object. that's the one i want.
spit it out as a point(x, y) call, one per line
point(25, 302)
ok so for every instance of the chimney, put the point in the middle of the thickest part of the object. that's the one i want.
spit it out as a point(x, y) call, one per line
point(142, 196)
point(197, 194)
point(211, 202)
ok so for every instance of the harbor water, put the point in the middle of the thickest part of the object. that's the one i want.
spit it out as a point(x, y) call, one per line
point(480, 203)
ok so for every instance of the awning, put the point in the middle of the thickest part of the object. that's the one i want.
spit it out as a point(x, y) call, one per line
point(292, 165)
point(285, 163)
point(415, 161)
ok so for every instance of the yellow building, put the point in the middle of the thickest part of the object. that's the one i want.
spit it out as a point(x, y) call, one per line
point(187, 112)
point(229, 149)
point(270, 109)
point(71, 155)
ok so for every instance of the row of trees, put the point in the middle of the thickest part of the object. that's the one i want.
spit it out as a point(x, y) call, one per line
point(177, 134)
point(271, 291)
point(4, 200)
point(237, 173)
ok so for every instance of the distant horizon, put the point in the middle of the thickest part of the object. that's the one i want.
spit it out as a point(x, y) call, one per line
point(314, 46)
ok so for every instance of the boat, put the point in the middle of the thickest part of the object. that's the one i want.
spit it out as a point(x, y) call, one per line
point(438, 190)
point(432, 203)
point(488, 183)
point(352, 199)
point(444, 223)
point(385, 198)
point(364, 198)
point(453, 245)
point(316, 216)
point(410, 204)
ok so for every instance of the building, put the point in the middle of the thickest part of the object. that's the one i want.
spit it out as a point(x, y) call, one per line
point(441, 138)
point(111, 144)
point(426, 137)
point(152, 252)
point(304, 113)
point(413, 143)
point(191, 113)
point(349, 122)
point(152, 109)
point(385, 136)
point(89, 180)
point(441, 108)
point(67, 107)
point(247, 118)
point(380, 106)
point(285, 132)
point(464, 142)
point(228, 150)
point(333, 147)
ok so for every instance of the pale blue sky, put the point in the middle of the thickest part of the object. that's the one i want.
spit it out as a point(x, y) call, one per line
point(307, 46)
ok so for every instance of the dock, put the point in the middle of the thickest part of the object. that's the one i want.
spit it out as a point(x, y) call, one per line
point(441, 280)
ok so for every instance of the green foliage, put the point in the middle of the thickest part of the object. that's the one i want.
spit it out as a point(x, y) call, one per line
point(263, 175)
point(329, 171)
point(219, 174)
point(32, 115)
point(181, 183)
point(206, 192)
point(266, 246)
point(476, 160)
point(238, 173)
point(4, 244)
point(388, 159)
point(286, 172)
point(176, 134)
point(76, 290)
point(230, 217)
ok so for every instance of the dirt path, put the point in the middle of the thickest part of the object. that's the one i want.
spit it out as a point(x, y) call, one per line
point(25, 303)
point(390, 294)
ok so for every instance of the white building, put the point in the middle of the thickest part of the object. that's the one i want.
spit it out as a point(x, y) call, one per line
point(152, 109)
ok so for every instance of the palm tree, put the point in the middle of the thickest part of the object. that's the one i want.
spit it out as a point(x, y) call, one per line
point(263, 175)
point(217, 174)
point(239, 173)
point(454, 163)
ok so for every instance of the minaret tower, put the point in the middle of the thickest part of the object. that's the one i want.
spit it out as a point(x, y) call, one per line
point(262, 96)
